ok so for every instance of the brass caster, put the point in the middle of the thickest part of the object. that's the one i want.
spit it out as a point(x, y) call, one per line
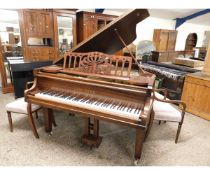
point(135, 163)
point(51, 133)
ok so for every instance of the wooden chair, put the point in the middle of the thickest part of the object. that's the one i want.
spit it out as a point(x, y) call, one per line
point(19, 106)
point(165, 110)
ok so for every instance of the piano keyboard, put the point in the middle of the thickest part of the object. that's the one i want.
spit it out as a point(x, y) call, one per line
point(104, 105)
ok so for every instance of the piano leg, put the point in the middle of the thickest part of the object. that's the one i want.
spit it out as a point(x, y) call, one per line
point(150, 123)
point(91, 133)
point(48, 117)
point(31, 121)
point(140, 134)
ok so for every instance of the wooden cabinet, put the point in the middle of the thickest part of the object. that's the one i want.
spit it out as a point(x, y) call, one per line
point(164, 56)
point(40, 54)
point(164, 40)
point(38, 23)
point(31, 21)
point(172, 34)
point(196, 94)
point(88, 23)
point(46, 24)
point(37, 32)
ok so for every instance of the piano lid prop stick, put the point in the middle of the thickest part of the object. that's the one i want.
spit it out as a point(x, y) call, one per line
point(128, 49)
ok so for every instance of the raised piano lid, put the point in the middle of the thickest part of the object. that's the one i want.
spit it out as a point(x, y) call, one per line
point(106, 40)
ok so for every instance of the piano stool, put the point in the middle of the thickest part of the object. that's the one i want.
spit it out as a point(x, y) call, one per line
point(19, 106)
point(165, 110)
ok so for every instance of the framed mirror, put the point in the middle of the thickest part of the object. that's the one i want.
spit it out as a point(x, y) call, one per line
point(10, 46)
point(64, 29)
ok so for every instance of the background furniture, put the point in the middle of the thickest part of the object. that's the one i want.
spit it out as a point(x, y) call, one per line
point(196, 91)
point(191, 41)
point(37, 38)
point(172, 76)
point(164, 41)
point(167, 56)
point(23, 73)
point(188, 62)
point(164, 110)
point(37, 34)
point(196, 94)
point(41, 32)
point(88, 23)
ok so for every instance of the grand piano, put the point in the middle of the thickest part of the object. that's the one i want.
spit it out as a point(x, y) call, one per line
point(92, 82)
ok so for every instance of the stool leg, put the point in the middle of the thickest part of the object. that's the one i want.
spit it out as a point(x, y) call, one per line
point(178, 132)
point(10, 121)
point(36, 114)
point(31, 121)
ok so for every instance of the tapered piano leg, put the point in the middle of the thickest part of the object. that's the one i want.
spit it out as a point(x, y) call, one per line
point(48, 119)
point(86, 127)
point(140, 134)
point(150, 123)
point(31, 121)
point(91, 133)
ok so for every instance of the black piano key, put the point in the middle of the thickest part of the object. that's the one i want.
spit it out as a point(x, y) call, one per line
point(109, 103)
point(104, 103)
point(89, 100)
point(92, 101)
point(132, 106)
point(125, 105)
point(119, 106)
point(96, 101)
point(136, 109)
point(99, 102)
point(46, 91)
point(85, 98)
point(114, 104)
point(129, 106)
point(139, 109)
point(122, 106)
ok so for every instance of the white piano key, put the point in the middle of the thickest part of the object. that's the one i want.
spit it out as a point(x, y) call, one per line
point(92, 103)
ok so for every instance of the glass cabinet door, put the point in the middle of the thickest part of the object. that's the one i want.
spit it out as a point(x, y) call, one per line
point(65, 34)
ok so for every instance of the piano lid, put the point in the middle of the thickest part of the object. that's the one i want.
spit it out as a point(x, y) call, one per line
point(106, 40)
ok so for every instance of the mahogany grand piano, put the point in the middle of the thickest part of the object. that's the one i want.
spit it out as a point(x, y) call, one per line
point(99, 86)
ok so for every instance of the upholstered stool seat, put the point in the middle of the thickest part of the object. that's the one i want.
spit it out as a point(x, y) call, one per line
point(19, 106)
point(166, 112)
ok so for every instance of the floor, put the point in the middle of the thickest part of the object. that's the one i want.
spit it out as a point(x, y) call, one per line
point(63, 147)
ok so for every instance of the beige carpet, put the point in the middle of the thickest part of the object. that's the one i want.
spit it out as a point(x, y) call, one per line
point(63, 148)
